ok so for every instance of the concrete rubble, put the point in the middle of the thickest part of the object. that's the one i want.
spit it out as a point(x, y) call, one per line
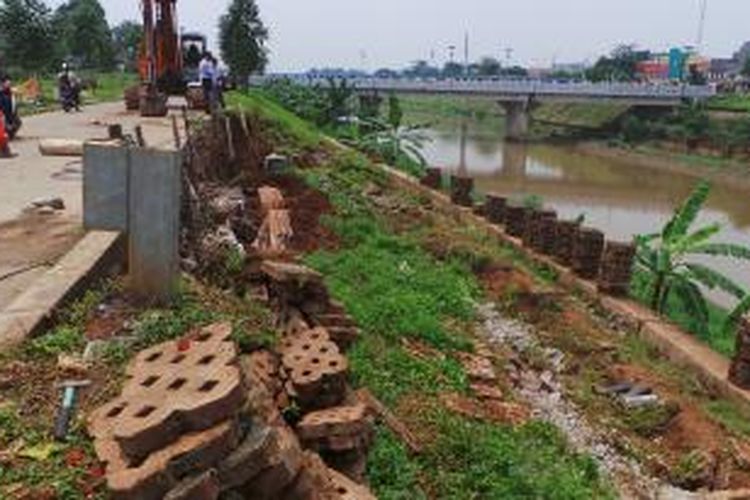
point(198, 420)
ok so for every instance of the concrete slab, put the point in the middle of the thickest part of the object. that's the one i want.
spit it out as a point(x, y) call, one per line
point(29, 313)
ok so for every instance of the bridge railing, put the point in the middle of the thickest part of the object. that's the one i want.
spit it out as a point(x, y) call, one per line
point(510, 87)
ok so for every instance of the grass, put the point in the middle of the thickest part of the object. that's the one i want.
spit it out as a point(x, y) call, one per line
point(716, 337)
point(730, 102)
point(288, 129)
point(397, 290)
point(33, 465)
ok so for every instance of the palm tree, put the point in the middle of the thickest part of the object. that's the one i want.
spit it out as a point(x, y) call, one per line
point(668, 257)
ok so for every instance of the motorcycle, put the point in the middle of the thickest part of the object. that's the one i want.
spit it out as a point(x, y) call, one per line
point(70, 97)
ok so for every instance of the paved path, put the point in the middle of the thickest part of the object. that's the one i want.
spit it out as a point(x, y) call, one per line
point(30, 244)
point(30, 175)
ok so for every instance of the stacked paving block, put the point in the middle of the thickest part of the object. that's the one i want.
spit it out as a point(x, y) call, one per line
point(433, 178)
point(739, 371)
point(617, 268)
point(515, 220)
point(495, 208)
point(343, 435)
point(461, 190)
point(543, 231)
point(566, 235)
point(176, 416)
point(341, 327)
point(317, 371)
point(587, 253)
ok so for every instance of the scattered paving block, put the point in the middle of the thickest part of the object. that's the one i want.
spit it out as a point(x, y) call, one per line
point(495, 208)
point(515, 220)
point(284, 272)
point(162, 471)
point(617, 268)
point(174, 389)
point(343, 336)
point(202, 487)
point(487, 392)
point(739, 370)
point(270, 199)
point(284, 463)
point(340, 421)
point(433, 178)
point(566, 236)
point(478, 368)
point(316, 368)
point(249, 459)
point(346, 489)
point(262, 367)
point(587, 253)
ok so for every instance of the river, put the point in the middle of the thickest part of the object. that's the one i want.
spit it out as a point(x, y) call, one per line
point(622, 199)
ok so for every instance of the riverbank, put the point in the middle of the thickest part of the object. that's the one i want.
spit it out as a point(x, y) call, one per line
point(406, 242)
point(731, 173)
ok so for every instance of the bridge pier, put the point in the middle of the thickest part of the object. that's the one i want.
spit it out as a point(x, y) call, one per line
point(517, 118)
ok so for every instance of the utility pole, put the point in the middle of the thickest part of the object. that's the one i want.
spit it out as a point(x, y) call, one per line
point(701, 25)
point(452, 53)
point(466, 54)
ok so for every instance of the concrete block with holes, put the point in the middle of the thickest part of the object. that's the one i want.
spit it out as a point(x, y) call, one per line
point(337, 429)
point(174, 390)
point(316, 368)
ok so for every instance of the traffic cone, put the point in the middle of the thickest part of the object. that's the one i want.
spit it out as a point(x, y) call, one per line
point(4, 140)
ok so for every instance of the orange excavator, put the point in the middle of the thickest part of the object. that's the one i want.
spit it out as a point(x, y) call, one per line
point(167, 59)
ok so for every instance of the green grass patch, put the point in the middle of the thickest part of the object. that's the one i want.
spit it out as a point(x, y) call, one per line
point(730, 102)
point(717, 337)
point(286, 126)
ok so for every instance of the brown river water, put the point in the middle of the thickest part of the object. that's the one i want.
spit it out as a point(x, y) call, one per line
point(622, 199)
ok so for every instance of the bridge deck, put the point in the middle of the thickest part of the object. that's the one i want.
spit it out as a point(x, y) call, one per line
point(638, 93)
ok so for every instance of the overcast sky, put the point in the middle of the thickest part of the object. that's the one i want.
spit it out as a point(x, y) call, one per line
point(357, 33)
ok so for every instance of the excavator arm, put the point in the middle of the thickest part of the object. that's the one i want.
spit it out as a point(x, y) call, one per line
point(160, 64)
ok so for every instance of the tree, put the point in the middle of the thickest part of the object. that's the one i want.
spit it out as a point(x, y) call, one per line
point(452, 70)
point(26, 29)
point(242, 38)
point(620, 66)
point(489, 66)
point(745, 71)
point(422, 69)
point(85, 37)
point(128, 37)
point(668, 259)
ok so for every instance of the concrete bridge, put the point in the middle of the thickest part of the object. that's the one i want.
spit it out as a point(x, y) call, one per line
point(518, 96)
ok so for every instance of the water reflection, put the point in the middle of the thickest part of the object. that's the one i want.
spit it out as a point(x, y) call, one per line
point(620, 197)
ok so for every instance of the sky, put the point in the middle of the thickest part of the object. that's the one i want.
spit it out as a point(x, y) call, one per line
point(371, 34)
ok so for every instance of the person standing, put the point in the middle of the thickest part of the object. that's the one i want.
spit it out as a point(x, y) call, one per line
point(6, 116)
point(207, 70)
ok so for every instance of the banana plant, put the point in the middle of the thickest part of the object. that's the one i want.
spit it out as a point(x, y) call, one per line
point(669, 258)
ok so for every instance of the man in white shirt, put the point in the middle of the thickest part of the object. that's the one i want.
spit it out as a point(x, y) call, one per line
point(207, 71)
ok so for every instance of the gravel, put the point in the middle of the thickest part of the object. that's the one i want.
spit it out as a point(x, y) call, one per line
point(542, 389)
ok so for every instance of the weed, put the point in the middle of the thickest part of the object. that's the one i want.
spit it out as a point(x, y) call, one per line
point(391, 473)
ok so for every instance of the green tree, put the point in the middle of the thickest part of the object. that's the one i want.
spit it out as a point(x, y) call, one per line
point(84, 34)
point(745, 71)
point(489, 66)
point(452, 70)
point(26, 30)
point(668, 258)
point(395, 112)
point(128, 37)
point(619, 66)
point(242, 38)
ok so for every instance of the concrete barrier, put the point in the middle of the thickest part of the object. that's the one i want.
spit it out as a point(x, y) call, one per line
point(99, 254)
